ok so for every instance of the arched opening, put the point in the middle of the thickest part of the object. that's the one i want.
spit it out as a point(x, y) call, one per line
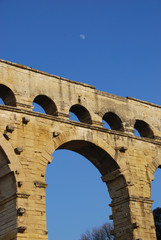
point(143, 129)
point(100, 158)
point(44, 104)
point(81, 113)
point(8, 211)
point(77, 198)
point(113, 121)
point(7, 97)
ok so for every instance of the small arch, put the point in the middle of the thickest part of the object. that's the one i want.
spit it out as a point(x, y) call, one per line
point(47, 104)
point(7, 96)
point(113, 121)
point(143, 129)
point(82, 113)
point(74, 135)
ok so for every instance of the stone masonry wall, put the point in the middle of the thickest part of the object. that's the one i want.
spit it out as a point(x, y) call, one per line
point(28, 139)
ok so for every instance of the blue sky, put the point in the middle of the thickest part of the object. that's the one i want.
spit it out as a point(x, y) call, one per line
point(114, 45)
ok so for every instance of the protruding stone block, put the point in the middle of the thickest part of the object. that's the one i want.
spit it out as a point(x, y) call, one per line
point(46, 232)
point(56, 134)
point(25, 119)
point(18, 150)
point(22, 195)
point(21, 229)
point(21, 211)
point(17, 172)
point(20, 183)
point(135, 225)
point(121, 149)
point(40, 184)
point(10, 128)
point(6, 135)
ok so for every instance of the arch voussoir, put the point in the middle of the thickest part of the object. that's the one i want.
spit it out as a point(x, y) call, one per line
point(84, 136)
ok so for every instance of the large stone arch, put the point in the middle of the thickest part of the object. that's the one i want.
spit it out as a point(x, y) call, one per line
point(86, 136)
point(75, 135)
point(95, 148)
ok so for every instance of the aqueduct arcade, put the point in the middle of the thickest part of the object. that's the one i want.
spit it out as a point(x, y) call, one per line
point(27, 140)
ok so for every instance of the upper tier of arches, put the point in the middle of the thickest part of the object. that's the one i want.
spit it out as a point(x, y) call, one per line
point(82, 113)
point(22, 87)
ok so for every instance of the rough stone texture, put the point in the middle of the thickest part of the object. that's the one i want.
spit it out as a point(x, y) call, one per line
point(28, 139)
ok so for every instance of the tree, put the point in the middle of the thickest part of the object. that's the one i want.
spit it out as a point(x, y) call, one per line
point(101, 233)
point(157, 220)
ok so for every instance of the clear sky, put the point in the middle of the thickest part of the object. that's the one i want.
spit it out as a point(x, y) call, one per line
point(114, 45)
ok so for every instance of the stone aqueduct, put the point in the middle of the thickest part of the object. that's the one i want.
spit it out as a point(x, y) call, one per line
point(28, 139)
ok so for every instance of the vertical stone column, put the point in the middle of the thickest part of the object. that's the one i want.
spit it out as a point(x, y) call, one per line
point(128, 127)
point(142, 218)
point(31, 204)
point(132, 212)
point(24, 103)
point(31, 210)
point(118, 191)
